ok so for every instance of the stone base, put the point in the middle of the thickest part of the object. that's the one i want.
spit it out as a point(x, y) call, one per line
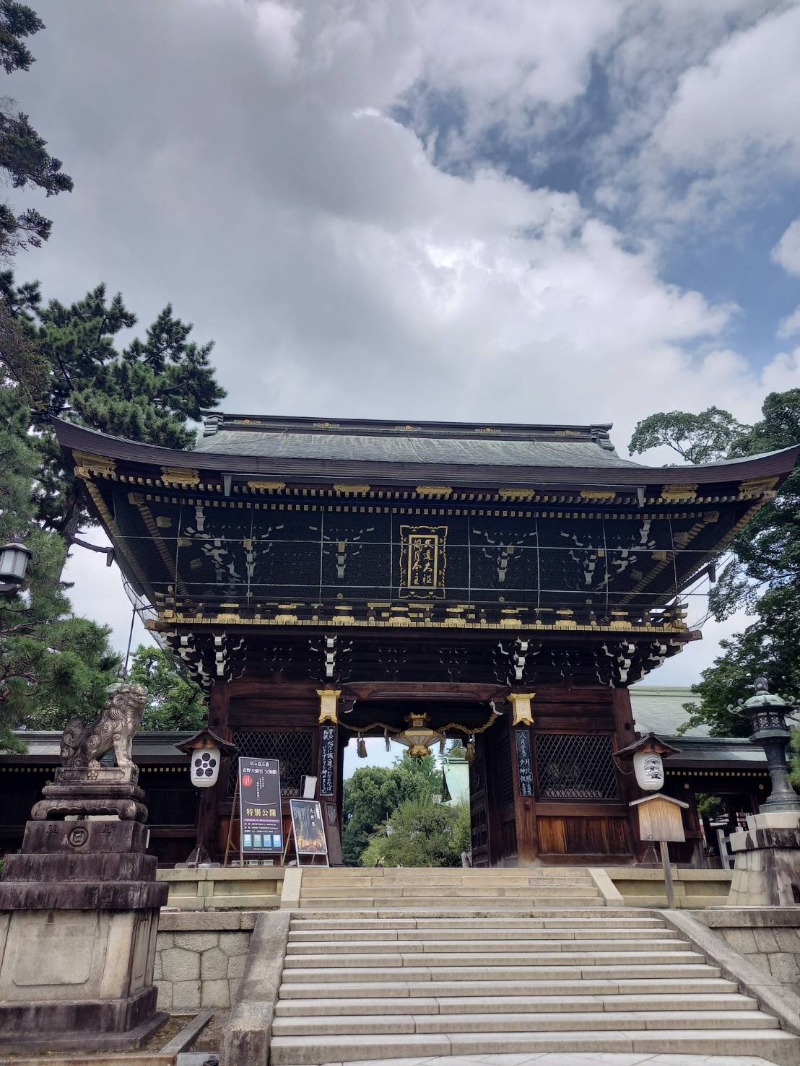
point(767, 868)
point(78, 925)
point(78, 1039)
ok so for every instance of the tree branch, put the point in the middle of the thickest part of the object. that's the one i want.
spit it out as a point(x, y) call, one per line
point(91, 547)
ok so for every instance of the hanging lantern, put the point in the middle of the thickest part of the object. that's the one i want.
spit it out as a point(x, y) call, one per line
point(418, 737)
point(649, 769)
point(648, 754)
point(206, 750)
point(14, 559)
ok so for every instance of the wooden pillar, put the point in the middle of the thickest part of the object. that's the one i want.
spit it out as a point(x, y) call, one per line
point(211, 798)
point(522, 768)
point(328, 772)
point(629, 790)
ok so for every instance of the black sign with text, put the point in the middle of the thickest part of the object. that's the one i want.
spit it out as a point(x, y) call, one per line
point(260, 805)
point(327, 760)
point(524, 763)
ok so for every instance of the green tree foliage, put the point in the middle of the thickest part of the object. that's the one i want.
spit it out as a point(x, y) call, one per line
point(701, 438)
point(373, 792)
point(761, 572)
point(72, 364)
point(174, 701)
point(52, 664)
point(421, 833)
point(24, 159)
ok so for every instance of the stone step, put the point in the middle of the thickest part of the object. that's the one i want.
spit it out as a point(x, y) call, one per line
point(605, 920)
point(561, 1021)
point(449, 892)
point(679, 953)
point(434, 903)
point(520, 1004)
point(774, 1045)
point(697, 987)
point(693, 968)
point(536, 946)
point(387, 873)
point(470, 884)
point(445, 912)
point(453, 933)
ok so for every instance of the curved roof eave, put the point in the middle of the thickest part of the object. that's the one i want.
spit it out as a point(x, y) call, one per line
point(73, 437)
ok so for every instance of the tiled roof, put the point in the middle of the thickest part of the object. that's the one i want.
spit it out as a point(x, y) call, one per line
point(660, 710)
point(148, 748)
point(423, 443)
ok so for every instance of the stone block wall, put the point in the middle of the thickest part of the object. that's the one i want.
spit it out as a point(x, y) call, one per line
point(768, 936)
point(200, 959)
point(217, 889)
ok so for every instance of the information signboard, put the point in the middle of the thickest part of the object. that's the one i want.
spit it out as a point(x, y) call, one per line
point(260, 805)
point(308, 828)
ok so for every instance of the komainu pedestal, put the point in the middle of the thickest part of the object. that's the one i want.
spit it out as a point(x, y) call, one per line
point(767, 868)
point(79, 905)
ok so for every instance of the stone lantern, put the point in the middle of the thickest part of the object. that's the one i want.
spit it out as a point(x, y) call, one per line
point(767, 867)
point(767, 713)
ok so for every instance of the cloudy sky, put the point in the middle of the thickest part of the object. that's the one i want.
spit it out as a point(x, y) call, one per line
point(566, 210)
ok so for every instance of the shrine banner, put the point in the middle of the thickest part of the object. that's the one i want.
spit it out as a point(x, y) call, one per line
point(260, 805)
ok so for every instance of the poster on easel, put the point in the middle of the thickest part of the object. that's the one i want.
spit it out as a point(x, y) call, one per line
point(308, 829)
point(260, 807)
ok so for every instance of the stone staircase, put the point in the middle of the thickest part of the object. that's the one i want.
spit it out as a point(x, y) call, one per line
point(425, 889)
point(357, 985)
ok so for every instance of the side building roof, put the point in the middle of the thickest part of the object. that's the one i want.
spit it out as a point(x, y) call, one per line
point(660, 710)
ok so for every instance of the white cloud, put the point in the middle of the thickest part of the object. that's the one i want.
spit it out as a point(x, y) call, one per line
point(730, 125)
point(249, 173)
point(787, 251)
point(742, 99)
point(790, 325)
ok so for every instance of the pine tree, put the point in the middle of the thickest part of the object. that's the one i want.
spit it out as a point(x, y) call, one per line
point(52, 664)
point(71, 366)
point(24, 158)
point(174, 702)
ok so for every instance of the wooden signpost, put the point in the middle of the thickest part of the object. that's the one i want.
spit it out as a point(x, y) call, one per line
point(660, 819)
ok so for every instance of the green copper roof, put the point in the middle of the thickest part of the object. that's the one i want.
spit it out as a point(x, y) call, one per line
point(424, 443)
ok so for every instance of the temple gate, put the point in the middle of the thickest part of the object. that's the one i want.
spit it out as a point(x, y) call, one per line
point(502, 584)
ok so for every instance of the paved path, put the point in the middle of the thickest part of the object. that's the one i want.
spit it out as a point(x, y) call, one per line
point(195, 1058)
point(574, 1059)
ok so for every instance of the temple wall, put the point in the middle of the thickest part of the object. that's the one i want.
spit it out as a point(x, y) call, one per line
point(200, 959)
point(769, 937)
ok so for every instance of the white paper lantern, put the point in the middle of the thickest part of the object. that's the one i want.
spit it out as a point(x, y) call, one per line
point(204, 767)
point(649, 769)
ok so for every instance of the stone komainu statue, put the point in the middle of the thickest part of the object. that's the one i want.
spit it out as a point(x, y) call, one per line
point(115, 727)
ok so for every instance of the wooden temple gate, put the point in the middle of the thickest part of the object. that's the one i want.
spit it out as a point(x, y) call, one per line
point(326, 580)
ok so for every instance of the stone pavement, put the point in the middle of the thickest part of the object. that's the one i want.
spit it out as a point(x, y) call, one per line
point(566, 1059)
point(547, 1059)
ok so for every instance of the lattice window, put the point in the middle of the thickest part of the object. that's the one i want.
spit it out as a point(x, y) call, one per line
point(293, 750)
point(570, 767)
